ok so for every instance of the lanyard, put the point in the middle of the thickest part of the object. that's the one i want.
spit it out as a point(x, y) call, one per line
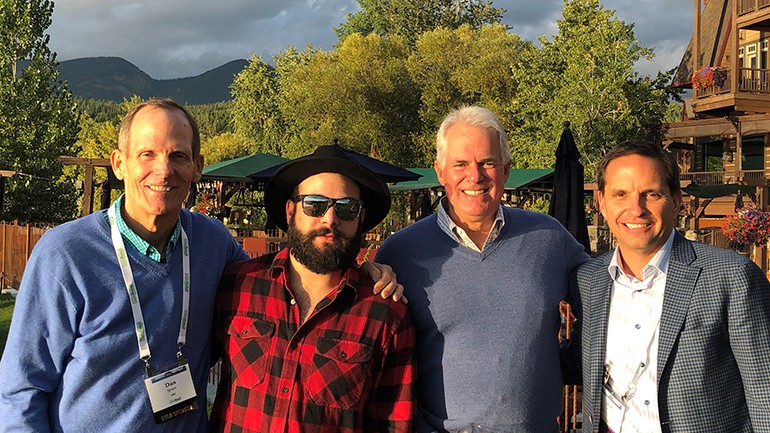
point(133, 295)
point(631, 389)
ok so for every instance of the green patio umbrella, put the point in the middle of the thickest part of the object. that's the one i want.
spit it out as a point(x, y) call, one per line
point(238, 169)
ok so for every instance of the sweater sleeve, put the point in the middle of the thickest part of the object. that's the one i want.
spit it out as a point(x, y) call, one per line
point(41, 337)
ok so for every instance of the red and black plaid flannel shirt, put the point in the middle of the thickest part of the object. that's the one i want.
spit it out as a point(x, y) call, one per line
point(349, 368)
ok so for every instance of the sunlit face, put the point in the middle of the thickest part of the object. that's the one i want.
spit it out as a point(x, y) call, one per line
point(472, 173)
point(157, 166)
point(638, 206)
point(330, 185)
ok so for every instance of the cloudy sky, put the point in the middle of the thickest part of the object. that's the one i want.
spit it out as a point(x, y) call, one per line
point(181, 38)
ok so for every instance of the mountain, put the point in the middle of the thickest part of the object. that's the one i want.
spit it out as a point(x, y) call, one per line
point(113, 79)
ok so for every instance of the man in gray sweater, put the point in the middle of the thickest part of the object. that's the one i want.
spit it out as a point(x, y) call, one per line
point(484, 284)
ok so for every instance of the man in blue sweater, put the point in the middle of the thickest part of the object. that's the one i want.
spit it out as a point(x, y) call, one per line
point(111, 327)
point(484, 284)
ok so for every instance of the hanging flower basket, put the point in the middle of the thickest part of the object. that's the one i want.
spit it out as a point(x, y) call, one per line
point(747, 227)
point(708, 76)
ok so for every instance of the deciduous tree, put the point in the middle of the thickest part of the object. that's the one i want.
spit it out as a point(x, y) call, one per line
point(255, 111)
point(464, 66)
point(361, 94)
point(410, 18)
point(585, 75)
point(38, 119)
point(222, 147)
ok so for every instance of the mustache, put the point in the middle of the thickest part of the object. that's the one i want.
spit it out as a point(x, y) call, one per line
point(323, 231)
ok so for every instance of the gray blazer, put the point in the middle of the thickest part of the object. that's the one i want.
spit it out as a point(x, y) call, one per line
point(714, 349)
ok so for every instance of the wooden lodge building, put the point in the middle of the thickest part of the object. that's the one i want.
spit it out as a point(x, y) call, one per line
point(723, 139)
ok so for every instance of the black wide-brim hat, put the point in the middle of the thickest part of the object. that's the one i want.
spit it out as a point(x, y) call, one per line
point(326, 159)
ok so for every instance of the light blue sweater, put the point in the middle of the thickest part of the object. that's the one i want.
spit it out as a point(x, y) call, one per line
point(71, 363)
point(486, 323)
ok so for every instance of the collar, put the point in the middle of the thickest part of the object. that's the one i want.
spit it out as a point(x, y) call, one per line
point(657, 265)
point(137, 242)
point(456, 232)
point(348, 283)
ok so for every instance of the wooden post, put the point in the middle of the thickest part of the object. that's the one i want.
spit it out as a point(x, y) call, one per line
point(5, 245)
point(88, 187)
point(760, 253)
point(735, 76)
point(696, 42)
point(2, 194)
point(88, 191)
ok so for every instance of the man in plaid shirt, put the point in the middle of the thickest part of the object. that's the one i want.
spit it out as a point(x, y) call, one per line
point(306, 345)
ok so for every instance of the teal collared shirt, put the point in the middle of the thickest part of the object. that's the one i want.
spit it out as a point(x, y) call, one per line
point(140, 244)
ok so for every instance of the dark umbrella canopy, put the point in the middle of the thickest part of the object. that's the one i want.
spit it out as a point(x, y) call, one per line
point(567, 203)
point(236, 170)
point(388, 172)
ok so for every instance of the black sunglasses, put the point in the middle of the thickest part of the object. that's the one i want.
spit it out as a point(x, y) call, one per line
point(316, 206)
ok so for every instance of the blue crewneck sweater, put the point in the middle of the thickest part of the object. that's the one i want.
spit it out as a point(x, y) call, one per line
point(71, 363)
point(487, 322)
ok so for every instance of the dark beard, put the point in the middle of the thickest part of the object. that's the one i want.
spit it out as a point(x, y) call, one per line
point(339, 255)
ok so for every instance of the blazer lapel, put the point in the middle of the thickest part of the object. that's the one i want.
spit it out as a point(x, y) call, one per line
point(600, 313)
point(681, 279)
point(602, 290)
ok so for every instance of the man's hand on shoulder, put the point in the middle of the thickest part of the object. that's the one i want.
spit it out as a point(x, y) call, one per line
point(385, 282)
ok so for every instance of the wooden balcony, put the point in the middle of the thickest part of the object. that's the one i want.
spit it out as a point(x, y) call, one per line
point(754, 14)
point(747, 177)
point(752, 94)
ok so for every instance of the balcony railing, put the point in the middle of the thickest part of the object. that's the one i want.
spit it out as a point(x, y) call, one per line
point(751, 80)
point(722, 177)
point(706, 177)
point(753, 175)
point(749, 6)
point(754, 80)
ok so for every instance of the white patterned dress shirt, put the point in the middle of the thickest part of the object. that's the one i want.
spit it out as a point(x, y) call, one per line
point(632, 344)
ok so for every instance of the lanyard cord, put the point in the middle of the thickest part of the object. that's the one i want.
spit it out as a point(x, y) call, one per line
point(133, 295)
point(631, 389)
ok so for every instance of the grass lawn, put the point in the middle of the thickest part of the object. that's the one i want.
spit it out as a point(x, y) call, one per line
point(6, 309)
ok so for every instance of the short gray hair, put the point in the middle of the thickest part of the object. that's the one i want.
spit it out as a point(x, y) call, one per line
point(473, 116)
point(124, 135)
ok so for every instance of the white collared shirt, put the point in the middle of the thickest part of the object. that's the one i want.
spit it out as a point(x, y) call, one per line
point(449, 227)
point(632, 340)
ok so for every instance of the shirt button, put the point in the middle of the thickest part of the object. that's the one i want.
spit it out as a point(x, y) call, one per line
point(638, 326)
point(293, 302)
point(647, 402)
point(284, 390)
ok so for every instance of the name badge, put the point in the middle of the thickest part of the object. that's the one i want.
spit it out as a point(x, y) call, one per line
point(172, 393)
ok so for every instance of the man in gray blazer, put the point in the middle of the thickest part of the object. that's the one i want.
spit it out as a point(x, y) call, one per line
point(675, 334)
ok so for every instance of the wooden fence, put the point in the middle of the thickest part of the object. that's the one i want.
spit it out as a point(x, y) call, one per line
point(16, 243)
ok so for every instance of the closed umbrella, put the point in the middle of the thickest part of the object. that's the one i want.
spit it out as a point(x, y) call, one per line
point(567, 203)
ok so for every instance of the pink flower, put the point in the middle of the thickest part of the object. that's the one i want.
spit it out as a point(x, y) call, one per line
point(748, 226)
point(709, 76)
